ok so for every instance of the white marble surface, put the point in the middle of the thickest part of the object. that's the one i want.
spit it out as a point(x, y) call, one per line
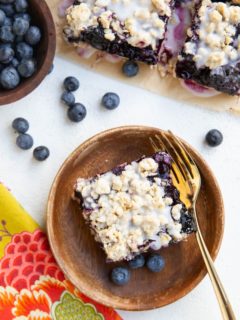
point(30, 181)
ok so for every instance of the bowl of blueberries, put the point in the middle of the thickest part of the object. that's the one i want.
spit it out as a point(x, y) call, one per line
point(27, 47)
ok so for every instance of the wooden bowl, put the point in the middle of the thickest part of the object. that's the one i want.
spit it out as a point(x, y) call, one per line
point(41, 17)
point(81, 258)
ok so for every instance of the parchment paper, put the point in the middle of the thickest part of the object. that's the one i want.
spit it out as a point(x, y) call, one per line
point(147, 78)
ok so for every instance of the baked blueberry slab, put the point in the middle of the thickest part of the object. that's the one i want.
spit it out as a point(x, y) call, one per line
point(211, 53)
point(134, 208)
point(133, 29)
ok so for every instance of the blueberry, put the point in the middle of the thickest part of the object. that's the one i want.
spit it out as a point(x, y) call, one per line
point(137, 262)
point(24, 16)
point(14, 62)
point(8, 22)
point(21, 125)
point(214, 138)
point(68, 98)
point(8, 9)
point(6, 54)
point(33, 35)
point(6, 34)
point(110, 101)
point(24, 50)
point(9, 78)
point(130, 68)
point(2, 18)
point(51, 69)
point(77, 112)
point(41, 153)
point(21, 5)
point(120, 276)
point(24, 141)
point(20, 26)
point(71, 84)
point(26, 68)
point(155, 263)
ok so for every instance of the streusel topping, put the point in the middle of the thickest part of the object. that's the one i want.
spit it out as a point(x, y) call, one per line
point(130, 210)
point(136, 21)
point(218, 26)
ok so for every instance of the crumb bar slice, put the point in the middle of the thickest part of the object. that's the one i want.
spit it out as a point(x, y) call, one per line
point(211, 54)
point(134, 208)
point(133, 29)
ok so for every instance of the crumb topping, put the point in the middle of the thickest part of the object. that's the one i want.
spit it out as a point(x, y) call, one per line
point(136, 21)
point(218, 44)
point(131, 210)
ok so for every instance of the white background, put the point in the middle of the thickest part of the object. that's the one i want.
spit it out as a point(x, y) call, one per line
point(30, 180)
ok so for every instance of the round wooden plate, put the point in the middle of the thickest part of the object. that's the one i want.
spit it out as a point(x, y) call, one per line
point(81, 258)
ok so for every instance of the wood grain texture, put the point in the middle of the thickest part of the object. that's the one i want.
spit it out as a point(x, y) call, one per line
point(44, 53)
point(81, 258)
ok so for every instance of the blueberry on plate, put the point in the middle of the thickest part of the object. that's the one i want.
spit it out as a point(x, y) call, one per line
point(77, 112)
point(6, 54)
point(9, 78)
point(155, 263)
point(137, 262)
point(33, 35)
point(20, 26)
point(120, 276)
point(41, 153)
point(214, 138)
point(24, 16)
point(6, 34)
point(68, 98)
point(71, 84)
point(8, 9)
point(14, 63)
point(21, 5)
point(24, 50)
point(21, 125)
point(2, 18)
point(130, 68)
point(24, 141)
point(110, 101)
point(26, 68)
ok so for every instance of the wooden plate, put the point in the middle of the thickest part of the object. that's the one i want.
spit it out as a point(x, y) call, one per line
point(82, 260)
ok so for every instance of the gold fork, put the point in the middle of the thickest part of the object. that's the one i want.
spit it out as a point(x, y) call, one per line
point(187, 178)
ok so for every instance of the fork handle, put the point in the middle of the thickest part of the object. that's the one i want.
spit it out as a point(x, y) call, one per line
point(224, 304)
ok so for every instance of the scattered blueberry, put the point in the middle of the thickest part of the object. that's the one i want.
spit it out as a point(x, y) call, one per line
point(21, 5)
point(26, 68)
point(110, 101)
point(130, 68)
point(77, 112)
point(6, 34)
point(155, 263)
point(120, 276)
point(21, 125)
point(51, 69)
point(214, 138)
point(137, 262)
point(41, 153)
point(20, 26)
point(6, 54)
point(33, 35)
point(9, 78)
point(2, 18)
point(68, 98)
point(71, 84)
point(24, 50)
point(24, 141)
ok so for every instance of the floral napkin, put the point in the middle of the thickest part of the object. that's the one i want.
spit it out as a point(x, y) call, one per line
point(32, 287)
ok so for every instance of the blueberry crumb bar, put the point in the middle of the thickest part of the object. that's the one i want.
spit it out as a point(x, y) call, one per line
point(211, 54)
point(134, 208)
point(133, 29)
